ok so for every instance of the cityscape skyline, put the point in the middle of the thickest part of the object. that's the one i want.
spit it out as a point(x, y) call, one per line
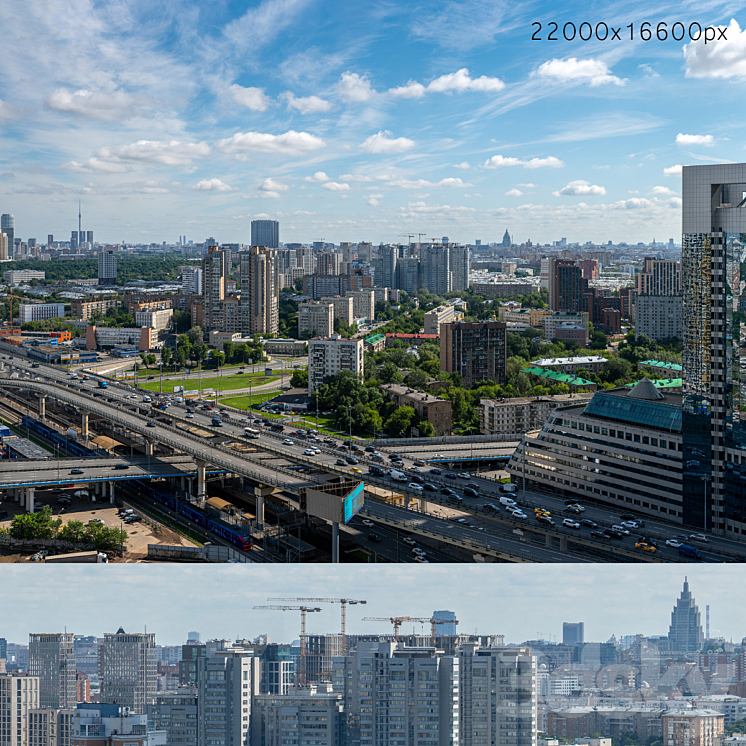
point(372, 120)
point(537, 606)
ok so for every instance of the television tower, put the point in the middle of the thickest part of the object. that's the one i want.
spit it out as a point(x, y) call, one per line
point(80, 232)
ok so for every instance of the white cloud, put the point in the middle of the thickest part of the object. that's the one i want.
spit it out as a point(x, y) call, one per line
point(460, 82)
point(463, 165)
point(382, 142)
point(318, 177)
point(528, 186)
point(105, 106)
point(307, 104)
point(514, 193)
point(336, 186)
point(580, 188)
point(649, 71)
point(413, 89)
point(424, 184)
point(357, 177)
point(213, 185)
point(354, 88)
point(262, 216)
point(272, 185)
point(7, 111)
point(662, 190)
point(718, 59)
point(499, 161)
point(573, 70)
point(373, 199)
point(252, 98)
point(289, 143)
point(672, 170)
point(686, 140)
point(121, 158)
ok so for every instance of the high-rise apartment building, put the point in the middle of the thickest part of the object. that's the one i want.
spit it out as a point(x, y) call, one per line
point(399, 696)
point(265, 233)
point(127, 669)
point(497, 696)
point(435, 268)
point(259, 292)
point(8, 227)
point(364, 251)
point(572, 632)
point(408, 275)
point(50, 727)
point(3, 247)
point(659, 317)
point(685, 633)
point(107, 267)
point(304, 259)
point(659, 277)
point(363, 304)
point(191, 281)
point(714, 410)
point(327, 357)
point(698, 727)
point(345, 248)
point(459, 261)
point(328, 263)
point(385, 267)
point(475, 350)
point(107, 724)
point(190, 655)
point(315, 319)
point(214, 274)
point(566, 285)
point(176, 714)
point(18, 696)
point(227, 682)
point(343, 307)
point(52, 660)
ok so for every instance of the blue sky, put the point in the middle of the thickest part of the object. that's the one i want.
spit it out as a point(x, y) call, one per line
point(358, 121)
point(521, 602)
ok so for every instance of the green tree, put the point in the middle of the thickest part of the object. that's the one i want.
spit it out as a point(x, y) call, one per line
point(218, 358)
point(195, 335)
point(427, 430)
point(166, 354)
point(74, 531)
point(417, 379)
point(144, 358)
point(400, 422)
point(299, 379)
point(35, 525)
point(390, 374)
point(151, 359)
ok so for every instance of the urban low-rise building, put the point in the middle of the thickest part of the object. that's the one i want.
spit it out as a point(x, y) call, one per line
point(40, 311)
point(292, 347)
point(158, 320)
point(436, 411)
point(101, 337)
point(692, 728)
point(591, 363)
point(512, 417)
point(441, 315)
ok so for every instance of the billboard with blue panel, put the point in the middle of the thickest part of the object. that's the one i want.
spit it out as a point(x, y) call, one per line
point(354, 502)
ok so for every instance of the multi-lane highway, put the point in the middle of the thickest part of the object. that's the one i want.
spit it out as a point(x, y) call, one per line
point(495, 532)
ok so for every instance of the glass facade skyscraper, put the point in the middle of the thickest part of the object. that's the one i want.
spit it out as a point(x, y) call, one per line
point(713, 424)
point(265, 233)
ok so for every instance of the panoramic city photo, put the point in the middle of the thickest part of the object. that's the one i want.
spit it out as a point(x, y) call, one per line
point(291, 281)
point(541, 660)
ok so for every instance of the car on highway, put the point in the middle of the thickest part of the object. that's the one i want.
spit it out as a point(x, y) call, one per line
point(621, 530)
point(151, 424)
point(435, 471)
point(449, 475)
point(473, 485)
point(370, 449)
point(368, 523)
point(419, 462)
point(698, 537)
point(600, 535)
point(646, 546)
point(430, 487)
point(491, 506)
point(569, 523)
point(675, 543)
point(572, 509)
point(632, 524)
point(189, 415)
point(419, 552)
point(421, 560)
point(356, 470)
point(545, 519)
point(470, 492)
point(351, 460)
point(576, 505)
point(394, 457)
point(374, 537)
point(309, 452)
point(612, 533)
point(409, 540)
point(588, 522)
point(542, 511)
point(415, 469)
point(76, 471)
point(464, 475)
point(415, 486)
point(418, 479)
point(121, 466)
point(437, 455)
point(518, 514)
point(287, 442)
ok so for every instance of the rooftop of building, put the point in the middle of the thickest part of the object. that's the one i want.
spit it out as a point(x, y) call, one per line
point(580, 360)
point(643, 406)
point(401, 335)
point(374, 338)
point(553, 375)
point(663, 383)
point(662, 364)
point(577, 398)
point(410, 393)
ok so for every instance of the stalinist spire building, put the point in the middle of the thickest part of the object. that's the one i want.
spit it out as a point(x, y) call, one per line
point(685, 633)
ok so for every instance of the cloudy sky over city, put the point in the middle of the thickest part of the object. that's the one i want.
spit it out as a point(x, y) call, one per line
point(522, 603)
point(361, 121)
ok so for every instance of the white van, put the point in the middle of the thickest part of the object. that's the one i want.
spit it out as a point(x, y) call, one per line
point(508, 501)
point(398, 476)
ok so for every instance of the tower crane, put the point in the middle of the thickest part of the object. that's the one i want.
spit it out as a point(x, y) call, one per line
point(341, 601)
point(303, 611)
point(410, 236)
point(397, 621)
point(433, 624)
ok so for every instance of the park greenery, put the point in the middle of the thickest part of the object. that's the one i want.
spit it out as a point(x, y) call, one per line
point(41, 525)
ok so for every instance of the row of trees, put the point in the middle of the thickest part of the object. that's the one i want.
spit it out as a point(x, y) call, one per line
point(42, 525)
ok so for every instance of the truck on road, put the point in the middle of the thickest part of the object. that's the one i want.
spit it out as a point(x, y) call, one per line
point(92, 557)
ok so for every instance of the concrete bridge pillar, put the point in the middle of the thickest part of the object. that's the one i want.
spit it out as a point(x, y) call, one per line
point(111, 492)
point(16, 494)
point(260, 511)
point(148, 447)
point(84, 425)
point(22, 493)
point(30, 499)
point(42, 407)
point(183, 483)
point(201, 492)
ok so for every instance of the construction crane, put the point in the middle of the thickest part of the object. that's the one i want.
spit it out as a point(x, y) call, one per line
point(303, 611)
point(410, 236)
point(343, 603)
point(434, 624)
point(397, 621)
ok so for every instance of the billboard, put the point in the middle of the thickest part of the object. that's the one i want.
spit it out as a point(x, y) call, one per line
point(178, 389)
point(354, 502)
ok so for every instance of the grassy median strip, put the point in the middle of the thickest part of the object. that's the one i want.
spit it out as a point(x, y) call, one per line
point(192, 383)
